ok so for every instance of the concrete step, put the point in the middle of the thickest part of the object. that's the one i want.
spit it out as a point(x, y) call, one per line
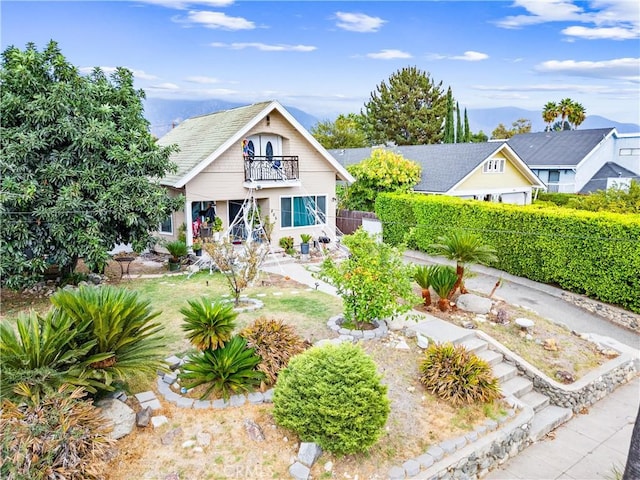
point(535, 400)
point(517, 386)
point(490, 356)
point(548, 419)
point(440, 331)
point(504, 371)
point(475, 345)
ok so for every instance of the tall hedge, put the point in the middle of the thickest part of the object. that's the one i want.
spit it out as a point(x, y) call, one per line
point(592, 253)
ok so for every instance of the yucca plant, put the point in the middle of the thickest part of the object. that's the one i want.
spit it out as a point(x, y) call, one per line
point(463, 247)
point(127, 340)
point(228, 370)
point(41, 354)
point(443, 279)
point(63, 436)
point(208, 324)
point(458, 376)
point(422, 276)
point(275, 342)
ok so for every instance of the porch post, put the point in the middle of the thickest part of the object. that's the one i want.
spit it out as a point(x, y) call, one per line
point(188, 221)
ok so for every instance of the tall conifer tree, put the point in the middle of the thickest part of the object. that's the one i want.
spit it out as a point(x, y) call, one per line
point(458, 125)
point(467, 132)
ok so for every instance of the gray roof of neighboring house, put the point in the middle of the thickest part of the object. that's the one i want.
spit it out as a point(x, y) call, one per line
point(199, 137)
point(608, 170)
point(443, 165)
point(564, 148)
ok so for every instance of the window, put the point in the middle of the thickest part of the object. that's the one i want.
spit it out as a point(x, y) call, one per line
point(166, 226)
point(303, 211)
point(625, 152)
point(493, 165)
point(554, 176)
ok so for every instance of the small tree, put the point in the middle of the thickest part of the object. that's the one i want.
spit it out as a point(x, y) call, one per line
point(239, 265)
point(374, 282)
point(384, 171)
point(463, 247)
point(347, 131)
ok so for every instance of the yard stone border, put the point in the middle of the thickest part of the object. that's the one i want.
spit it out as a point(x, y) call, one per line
point(334, 323)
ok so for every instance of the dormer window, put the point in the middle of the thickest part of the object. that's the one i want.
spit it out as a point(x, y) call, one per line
point(493, 165)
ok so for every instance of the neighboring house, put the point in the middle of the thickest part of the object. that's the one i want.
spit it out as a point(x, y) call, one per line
point(481, 171)
point(573, 161)
point(259, 152)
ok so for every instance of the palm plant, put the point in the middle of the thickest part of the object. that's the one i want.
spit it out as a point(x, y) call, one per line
point(550, 113)
point(422, 275)
point(40, 355)
point(577, 115)
point(443, 279)
point(230, 369)
point(463, 247)
point(177, 249)
point(127, 341)
point(565, 107)
point(208, 324)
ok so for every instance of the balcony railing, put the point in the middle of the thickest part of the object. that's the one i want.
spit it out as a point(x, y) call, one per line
point(560, 187)
point(271, 168)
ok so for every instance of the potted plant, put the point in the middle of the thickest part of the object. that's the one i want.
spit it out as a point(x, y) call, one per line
point(216, 228)
point(177, 249)
point(304, 246)
point(197, 248)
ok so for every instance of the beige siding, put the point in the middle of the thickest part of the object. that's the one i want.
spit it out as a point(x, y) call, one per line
point(511, 177)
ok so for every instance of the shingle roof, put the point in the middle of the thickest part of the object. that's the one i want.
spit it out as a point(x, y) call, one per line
point(199, 137)
point(443, 165)
point(564, 148)
point(608, 170)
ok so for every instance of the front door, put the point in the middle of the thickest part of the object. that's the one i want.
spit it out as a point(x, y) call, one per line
point(266, 145)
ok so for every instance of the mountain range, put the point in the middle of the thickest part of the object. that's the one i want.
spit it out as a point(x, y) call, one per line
point(165, 114)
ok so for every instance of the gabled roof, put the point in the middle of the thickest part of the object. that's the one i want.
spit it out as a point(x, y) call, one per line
point(563, 149)
point(445, 165)
point(202, 139)
point(608, 170)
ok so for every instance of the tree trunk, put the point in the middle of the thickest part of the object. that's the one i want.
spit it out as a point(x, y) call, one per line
point(426, 295)
point(443, 304)
point(632, 470)
point(458, 284)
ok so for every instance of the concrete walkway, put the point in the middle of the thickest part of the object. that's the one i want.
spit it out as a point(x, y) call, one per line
point(587, 447)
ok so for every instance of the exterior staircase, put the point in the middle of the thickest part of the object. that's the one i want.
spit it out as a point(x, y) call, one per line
point(547, 417)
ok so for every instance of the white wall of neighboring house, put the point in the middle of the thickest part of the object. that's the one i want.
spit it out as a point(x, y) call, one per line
point(566, 179)
point(627, 151)
point(589, 166)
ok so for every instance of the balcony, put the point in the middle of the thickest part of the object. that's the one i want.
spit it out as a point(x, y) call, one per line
point(272, 171)
point(554, 187)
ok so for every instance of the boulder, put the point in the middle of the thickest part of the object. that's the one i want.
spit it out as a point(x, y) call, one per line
point(143, 417)
point(299, 471)
point(308, 453)
point(119, 415)
point(474, 303)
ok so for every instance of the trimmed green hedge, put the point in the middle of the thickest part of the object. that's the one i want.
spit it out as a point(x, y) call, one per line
point(592, 253)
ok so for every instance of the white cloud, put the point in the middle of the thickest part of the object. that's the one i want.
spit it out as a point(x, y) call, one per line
point(549, 87)
point(621, 68)
point(471, 56)
point(358, 22)
point(182, 5)
point(599, 33)
point(610, 19)
point(202, 80)
point(164, 86)
point(264, 47)
point(388, 54)
point(215, 20)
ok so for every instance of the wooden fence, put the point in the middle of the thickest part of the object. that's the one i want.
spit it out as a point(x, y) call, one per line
point(348, 221)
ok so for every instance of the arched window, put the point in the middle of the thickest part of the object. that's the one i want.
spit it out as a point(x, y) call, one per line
point(269, 151)
point(250, 149)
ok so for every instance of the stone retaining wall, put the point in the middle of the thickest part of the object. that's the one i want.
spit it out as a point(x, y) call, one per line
point(582, 393)
point(615, 315)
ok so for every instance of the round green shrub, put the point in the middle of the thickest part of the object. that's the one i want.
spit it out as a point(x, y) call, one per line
point(332, 395)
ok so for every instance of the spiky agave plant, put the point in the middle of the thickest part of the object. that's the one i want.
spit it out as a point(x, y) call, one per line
point(457, 375)
point(209, 324)
point(227, 370)
point(275, 342)
point(127, 340)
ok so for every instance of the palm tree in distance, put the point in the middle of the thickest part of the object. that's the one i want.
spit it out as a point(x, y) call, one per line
point(549, 113)
point(463, 247)
point(577, 114)
point(565, 107)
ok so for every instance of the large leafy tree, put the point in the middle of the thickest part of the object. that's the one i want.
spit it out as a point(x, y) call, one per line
point(522, 125)
point(347, 131)
point(79, 167)
point(384, 171)
point(409, 109)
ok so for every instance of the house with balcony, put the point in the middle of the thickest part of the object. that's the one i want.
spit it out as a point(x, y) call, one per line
point(490, 172)
point(580, 161)
point(256, 155)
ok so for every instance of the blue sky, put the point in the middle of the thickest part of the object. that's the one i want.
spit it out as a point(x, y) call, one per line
point(327, 57)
